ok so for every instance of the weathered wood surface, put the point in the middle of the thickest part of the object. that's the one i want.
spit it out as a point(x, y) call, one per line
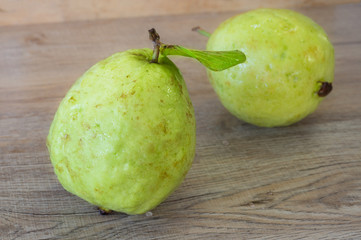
point(297, 182)
point(21, 12)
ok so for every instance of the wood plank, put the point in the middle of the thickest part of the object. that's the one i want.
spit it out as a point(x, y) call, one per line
point(22, 12)
point(297, 182)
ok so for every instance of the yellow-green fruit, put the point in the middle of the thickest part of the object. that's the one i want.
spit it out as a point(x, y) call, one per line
point(123, 137)
point(288, 58)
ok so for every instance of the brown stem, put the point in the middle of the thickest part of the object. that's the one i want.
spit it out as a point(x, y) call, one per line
point(154, 37)
point(325, 89)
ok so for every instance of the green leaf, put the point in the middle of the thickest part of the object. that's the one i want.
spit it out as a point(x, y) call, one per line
point(214, 60)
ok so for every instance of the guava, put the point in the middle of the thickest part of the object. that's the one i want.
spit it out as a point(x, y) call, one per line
point(123, 138)
point(288, 71)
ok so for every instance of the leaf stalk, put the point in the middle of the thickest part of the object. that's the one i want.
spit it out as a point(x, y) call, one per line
point(201, 31)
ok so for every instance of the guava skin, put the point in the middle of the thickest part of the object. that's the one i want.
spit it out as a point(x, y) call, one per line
point(123, 137)
point(288, 58)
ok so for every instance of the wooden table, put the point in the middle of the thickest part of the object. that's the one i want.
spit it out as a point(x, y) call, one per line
point(297, 182)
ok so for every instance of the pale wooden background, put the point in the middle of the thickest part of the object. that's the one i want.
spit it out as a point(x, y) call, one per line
point(297, 182)
point(15, 12)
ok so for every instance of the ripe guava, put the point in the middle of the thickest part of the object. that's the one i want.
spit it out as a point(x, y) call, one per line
point(123, 137)
point(288, 71)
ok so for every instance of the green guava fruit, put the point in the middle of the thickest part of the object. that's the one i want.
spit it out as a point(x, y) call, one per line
point(123, 137)
point(288, 71)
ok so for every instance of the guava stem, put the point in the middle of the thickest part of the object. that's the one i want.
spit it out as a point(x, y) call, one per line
point(325, 89)
point(154, 37)
point(201, 31)
point(104, 211)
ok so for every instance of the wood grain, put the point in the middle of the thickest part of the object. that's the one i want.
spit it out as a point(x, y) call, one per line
point(22, 12)
point(297, 182)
